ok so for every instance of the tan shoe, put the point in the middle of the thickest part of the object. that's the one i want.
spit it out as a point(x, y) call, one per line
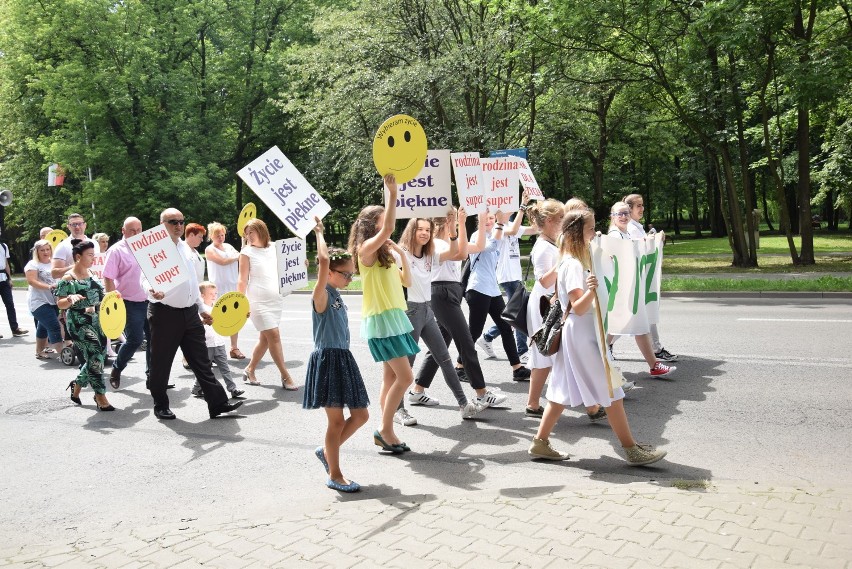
point(540, 448)
point(639, 454)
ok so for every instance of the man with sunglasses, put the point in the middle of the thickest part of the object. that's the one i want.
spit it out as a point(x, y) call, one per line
point(62, 256)
point(175, 319)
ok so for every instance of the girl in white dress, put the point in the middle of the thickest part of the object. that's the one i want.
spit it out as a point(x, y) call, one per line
point(579, 376)
point(259, 282)
point(223, 270)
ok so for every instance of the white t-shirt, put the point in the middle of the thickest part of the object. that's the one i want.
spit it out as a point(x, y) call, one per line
point(448, 270)
point(544, 257)
point(38, 296)
point(422, 269)
point(63, 250)
point(635, 229)
point(211, 338)
point(509, 262)
point(4, 254)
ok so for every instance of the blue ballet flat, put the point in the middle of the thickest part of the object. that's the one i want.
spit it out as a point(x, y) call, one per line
point(348, 488)
point(321, 456)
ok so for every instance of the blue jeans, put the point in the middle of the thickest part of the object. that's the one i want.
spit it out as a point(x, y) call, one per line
point(520, 338)
point(47, 323)
point(135, 330)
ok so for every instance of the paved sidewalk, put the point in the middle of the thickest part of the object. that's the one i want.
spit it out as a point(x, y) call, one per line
point(643, 525)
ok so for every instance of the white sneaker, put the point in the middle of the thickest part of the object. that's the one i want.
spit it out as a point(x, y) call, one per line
point(486, 347)
point(491, 398)
point(421, 399)
point(627, 386)
point(525, 358)
point(469, 410)
point(403, 418)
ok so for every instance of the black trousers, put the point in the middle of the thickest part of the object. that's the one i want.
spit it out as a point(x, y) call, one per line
point(6, 295)
point(446, 304)
point(173, 328)
point(481, 306)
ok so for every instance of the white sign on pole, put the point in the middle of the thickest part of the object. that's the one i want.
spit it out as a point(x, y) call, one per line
point(159, 258)
point(469, 184)
point(292, 265)
point(501, 183)
point(430, 193)
point(528, 180)
point(285, 191)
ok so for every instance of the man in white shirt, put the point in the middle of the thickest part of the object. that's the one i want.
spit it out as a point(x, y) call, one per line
point(175, 318)
point(6, 292)
point(62, 256)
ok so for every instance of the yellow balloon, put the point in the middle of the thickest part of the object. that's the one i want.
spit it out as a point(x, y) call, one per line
point(248, 213)
point(230, 313)
point(399, 148)
point(113, 315)
point(56, 237)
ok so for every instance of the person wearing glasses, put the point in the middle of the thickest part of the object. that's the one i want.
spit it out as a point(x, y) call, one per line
point(636, 231)
point(258, 280)
point(63, 258)
point(618, 229)
point(123, 273)
point(175, 318)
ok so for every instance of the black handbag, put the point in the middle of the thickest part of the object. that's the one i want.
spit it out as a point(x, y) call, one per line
point(548, 338)
point(515, 312)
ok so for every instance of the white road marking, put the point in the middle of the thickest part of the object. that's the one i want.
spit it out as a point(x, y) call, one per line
point(792, 320)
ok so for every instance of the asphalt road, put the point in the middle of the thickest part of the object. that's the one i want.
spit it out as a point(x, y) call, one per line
point(762, 393)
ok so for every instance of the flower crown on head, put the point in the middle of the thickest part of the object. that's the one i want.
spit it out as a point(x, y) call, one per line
point(339, 256)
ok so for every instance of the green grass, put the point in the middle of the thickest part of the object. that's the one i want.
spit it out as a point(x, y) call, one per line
point(826, 283)
point(771, 244)
point(675, 264)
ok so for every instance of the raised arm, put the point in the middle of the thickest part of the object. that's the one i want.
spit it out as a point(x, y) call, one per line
point(320, 295)
point(479, 245)
point(369, 248)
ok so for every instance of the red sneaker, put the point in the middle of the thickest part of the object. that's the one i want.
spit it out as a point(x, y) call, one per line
point(661, 370)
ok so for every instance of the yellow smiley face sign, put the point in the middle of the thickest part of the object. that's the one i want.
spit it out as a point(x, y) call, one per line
point(112, 315)
point(230, 313)
point(248, 213)
point(56, 237)
point(399, 148)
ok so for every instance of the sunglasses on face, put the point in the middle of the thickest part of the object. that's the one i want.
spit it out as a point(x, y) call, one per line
point(346, 275)
point(176, 221)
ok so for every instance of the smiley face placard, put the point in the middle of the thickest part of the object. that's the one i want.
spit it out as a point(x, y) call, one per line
point(230, 313)
point(113, 315)
point(248, 213)
point(399, 148)
point(56, 237)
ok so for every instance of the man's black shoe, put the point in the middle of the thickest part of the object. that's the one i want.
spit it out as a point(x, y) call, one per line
point(164, 414)
point(115, 378)
point(224, 408)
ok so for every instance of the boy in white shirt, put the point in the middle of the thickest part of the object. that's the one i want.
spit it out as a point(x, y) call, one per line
point(215, 343)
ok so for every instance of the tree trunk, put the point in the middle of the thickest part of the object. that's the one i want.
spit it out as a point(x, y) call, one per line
point(734, 217)
point(748, 189)
point(695, 215)
point(803, 32)
point(765, 203)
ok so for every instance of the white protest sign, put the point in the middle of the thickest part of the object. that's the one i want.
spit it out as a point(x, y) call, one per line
point(429, 194)
point(97, 267)
point(629, 274)
point(285, 191)
point(292, 267)
point(469, 183)
point(528, 180)
point(501, 183)
point(159, 258)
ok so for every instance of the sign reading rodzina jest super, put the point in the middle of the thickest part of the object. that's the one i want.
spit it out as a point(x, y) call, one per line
point(285, 191)
point(159, 258)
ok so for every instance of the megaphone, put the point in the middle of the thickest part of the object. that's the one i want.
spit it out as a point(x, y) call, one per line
point(5, 198)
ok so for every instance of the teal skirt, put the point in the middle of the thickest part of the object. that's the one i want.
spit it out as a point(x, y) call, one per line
point(386, 349)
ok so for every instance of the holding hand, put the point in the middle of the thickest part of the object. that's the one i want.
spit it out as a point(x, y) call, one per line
point(462, 216)
point(206, 318)
point(592, 282)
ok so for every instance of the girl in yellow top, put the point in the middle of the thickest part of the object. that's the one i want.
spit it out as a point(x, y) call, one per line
point(385, 325)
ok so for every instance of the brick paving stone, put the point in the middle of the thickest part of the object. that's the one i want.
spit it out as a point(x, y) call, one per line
point(647, 555)
point(678, 560)
point(307, 549)
point(336, 558)
point(758, 535)
point(203, 552)
point(165, 558)
point(713, 551)
point(776, 552)
point(487, 533)
point(733, 518)
point(600, 559)
point(707, 525)
point(564, 552)
point(815, 561)
point(451, 556)
point(629, 523)
point(674, 530)
point(810, 547)
point(676, 545)
point(667, 518)
point(267, 555)
point(422, 530)
point(700, 535)
point(378, 555)
point(594, 543)
point(407, 560)
point(843, 551)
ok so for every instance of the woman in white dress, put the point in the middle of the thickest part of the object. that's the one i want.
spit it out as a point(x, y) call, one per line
point(579, 376)
point(636, 231)
point(258, 280)
point(223, 270)
point(547, 217)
